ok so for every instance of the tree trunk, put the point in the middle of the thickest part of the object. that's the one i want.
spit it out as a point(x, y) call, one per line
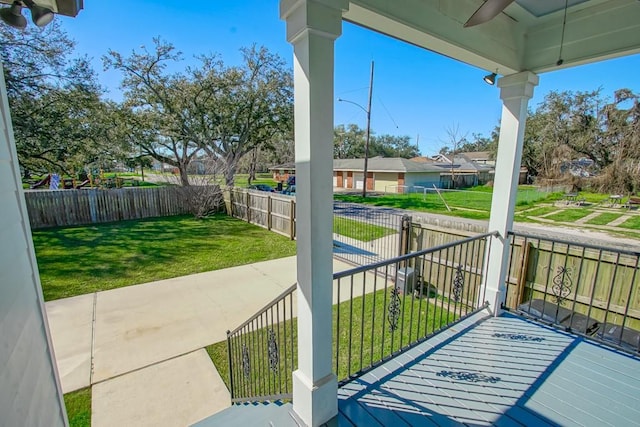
point(184, 177)
point(230, 172)
point(252, 165)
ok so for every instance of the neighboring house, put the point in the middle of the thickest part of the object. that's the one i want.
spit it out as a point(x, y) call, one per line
point(441, 158)
point(479, 157)
point(464, 173)
point(422, 159)
point(485, 165)
point(282, 172)
point(395, 174)
point(384, 174)
point(399, 175)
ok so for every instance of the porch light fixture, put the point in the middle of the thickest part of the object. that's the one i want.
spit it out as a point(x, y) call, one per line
point(490, 79)
point(40, 16)
point(12, 15)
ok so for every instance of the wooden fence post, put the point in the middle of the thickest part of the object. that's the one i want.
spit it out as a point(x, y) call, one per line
point(269, 212)
point(292, 219)
point(522, 277)
point(248, 200)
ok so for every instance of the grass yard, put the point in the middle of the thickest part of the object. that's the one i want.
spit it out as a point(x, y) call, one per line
point(242, 180)
point(604, 218)
point(360, 230)
point(631, 223)
point(371, 338)
point(569, 215)
point(538, 212)
point(472, 203)
point(80, 260)
point(78, 405)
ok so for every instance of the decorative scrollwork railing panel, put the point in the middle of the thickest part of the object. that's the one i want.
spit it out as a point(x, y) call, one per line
point(390, 305)
point(262, 352)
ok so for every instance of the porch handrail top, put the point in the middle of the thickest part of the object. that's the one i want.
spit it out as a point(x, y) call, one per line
point(581, 244)
point(265, 308)
point(362, 268)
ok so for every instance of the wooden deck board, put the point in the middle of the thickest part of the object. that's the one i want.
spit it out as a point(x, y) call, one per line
point(504, 371)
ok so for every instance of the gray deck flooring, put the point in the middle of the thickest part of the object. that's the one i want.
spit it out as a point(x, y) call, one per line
point(503, 371)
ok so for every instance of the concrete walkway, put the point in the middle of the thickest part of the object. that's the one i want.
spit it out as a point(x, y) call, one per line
point(140, 346)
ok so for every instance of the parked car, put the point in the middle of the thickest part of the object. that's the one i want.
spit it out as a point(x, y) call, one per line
point(290, 190)
point(262, 187)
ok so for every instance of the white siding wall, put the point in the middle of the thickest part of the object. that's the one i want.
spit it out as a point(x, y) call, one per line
point(30, 394)
point(423, 179)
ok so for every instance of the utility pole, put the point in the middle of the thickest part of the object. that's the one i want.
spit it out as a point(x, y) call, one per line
point(366, 142)
point(368, 135)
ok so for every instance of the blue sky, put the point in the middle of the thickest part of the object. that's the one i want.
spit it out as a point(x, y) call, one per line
point(416, 92)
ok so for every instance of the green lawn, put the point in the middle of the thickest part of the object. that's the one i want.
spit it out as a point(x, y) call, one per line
point(372, 337)
point(242, 180)
point(604, 218)
point(538, 212)
point(569, 215)
point(632, 223)
point(472, 203)
point(359, 230)
point(80, 260)
point(78, 405)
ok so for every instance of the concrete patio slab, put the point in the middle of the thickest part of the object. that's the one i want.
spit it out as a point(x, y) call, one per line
point(141, 325)
point(177, 392)
point(70, 322)
point(145, 324)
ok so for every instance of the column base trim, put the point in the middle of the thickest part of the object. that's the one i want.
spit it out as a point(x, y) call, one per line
point(314, 404)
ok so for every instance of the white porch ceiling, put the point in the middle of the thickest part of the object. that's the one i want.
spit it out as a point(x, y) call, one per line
point(517, 39)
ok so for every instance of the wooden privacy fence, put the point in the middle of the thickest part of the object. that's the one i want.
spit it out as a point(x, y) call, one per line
point(51, 208)
point(602, 283)
point(275, 212)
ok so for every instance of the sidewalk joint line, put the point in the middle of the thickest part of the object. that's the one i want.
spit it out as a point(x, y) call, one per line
point(93, 337)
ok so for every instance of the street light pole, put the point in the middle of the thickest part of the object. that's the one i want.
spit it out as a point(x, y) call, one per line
point(368, 134)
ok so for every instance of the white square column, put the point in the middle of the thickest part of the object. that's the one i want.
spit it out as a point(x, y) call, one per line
point(515, 92)
point(312, 27)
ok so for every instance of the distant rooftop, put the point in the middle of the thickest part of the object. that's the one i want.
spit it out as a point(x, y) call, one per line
point(475, 155)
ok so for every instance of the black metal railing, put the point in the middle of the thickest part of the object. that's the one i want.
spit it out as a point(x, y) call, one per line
point(262, 352)
point(378, 310)
point(365, 234)
point(386, 307)
point(586, 289)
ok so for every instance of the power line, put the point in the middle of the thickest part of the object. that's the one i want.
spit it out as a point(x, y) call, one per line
point(388, 113)
point(353, 90)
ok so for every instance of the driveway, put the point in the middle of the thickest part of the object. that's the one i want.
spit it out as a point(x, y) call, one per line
point(140, 347)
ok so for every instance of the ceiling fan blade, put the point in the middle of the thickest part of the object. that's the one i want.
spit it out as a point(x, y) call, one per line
point(487, 11)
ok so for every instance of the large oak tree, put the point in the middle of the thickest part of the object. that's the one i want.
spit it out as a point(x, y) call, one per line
point(224, 111)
